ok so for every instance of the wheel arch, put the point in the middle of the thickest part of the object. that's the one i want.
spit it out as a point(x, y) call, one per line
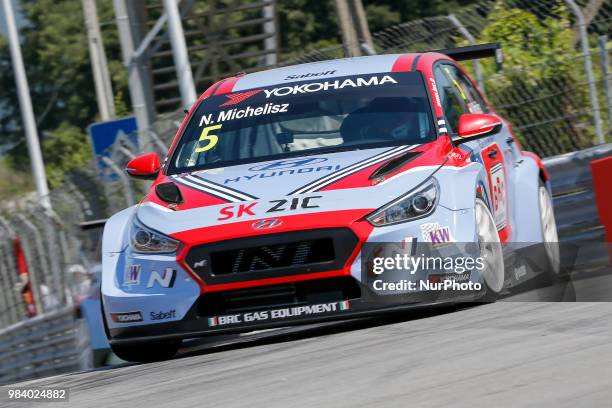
point(116, 227)
point(456, 181)
point(526, 212)
point(114, 242)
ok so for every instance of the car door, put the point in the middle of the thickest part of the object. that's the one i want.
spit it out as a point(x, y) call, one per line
point(459, 96)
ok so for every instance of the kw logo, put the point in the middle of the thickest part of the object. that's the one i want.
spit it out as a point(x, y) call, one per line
point(132, 275)
point(436, 234)
point(439, 236)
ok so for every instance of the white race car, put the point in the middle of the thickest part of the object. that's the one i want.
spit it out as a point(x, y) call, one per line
point(281, 186)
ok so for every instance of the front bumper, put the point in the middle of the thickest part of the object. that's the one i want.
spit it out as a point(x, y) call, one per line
point(184, 309)
point(193, 325)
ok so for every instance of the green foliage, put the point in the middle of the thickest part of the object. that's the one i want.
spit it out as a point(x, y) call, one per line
point(56, 55)
point(13, 183)
point(66, 149)
point(539, 90)
point(306, 23)
point(381, 16)
point(414, 9)
point(541, 46)
point(121, 107)
point(312, 24)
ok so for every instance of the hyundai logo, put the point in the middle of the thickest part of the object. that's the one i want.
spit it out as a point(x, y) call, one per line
point(266, 224)
point(288, 164)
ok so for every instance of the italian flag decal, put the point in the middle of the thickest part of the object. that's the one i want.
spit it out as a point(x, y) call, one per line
point(344, 305)
point(213, 321)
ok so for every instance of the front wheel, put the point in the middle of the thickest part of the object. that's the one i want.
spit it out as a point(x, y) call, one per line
point(550, 238)
point(493, 275)
point(147, 352)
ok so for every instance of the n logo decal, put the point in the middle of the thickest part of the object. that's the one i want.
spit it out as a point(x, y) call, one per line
point(165, 280)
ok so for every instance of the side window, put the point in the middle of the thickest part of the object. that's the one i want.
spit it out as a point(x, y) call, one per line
point(470, 96)
point(452, 104)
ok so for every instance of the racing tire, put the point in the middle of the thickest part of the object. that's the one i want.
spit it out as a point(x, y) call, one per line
point(493, 274)
point(147, 352)
point(106, 331)
point(550, 257)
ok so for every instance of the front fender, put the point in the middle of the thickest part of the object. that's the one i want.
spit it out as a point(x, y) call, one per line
point(458, 185)
point(114, 241)
point(116, 230)
point(526, 212)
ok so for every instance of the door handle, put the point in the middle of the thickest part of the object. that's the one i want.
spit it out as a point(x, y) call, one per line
point(510, 140)
point(492, 153)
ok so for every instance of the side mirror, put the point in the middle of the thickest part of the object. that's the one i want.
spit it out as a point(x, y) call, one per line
point(474, 126)
point(144, 167)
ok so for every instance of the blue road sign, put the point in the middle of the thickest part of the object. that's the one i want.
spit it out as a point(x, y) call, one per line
point(106, 137)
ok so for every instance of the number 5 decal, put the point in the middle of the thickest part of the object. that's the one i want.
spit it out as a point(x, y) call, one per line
point(211, 139)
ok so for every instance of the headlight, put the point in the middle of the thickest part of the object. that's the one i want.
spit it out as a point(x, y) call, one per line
point(416, 204)
point(149, 241)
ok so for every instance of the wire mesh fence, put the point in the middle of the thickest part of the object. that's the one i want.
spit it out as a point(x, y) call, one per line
point(36, 252)
point(543, 89)
point(45, 258)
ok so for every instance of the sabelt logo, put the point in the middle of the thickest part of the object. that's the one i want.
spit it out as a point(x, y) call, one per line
point(128, 317)
point(358, 82)
point(309, 75)
point(161, 315)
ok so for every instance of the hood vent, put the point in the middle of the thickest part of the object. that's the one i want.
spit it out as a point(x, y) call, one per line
point(169, 193)
point(395, 164)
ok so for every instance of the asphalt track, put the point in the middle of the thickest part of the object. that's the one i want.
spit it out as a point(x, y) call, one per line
point(523, 351)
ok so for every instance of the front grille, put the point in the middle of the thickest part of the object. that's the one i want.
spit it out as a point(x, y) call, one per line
point(272, 255)
point(279, 296)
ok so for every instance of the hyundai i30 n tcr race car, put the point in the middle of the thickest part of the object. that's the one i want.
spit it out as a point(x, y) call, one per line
point(277, 181)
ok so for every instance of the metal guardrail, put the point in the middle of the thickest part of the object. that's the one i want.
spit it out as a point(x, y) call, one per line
point(573, 196)
point(39, 347)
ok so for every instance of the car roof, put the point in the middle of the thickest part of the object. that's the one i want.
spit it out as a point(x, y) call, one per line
point(371, 64)
point(323, 70)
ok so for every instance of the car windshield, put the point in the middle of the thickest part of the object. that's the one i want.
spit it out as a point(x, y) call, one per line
point(302, 118)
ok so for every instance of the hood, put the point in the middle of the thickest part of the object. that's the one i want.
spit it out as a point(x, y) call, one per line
point(358, 180)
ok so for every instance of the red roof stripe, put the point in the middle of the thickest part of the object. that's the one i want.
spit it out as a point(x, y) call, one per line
point(403, 63)
point(227, 86)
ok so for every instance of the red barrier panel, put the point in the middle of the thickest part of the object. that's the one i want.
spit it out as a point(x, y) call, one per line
point(24, 279)
point(601, 171)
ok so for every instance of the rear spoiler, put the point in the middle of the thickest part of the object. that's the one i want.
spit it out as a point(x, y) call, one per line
point(471, 52)
point(89, 225)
